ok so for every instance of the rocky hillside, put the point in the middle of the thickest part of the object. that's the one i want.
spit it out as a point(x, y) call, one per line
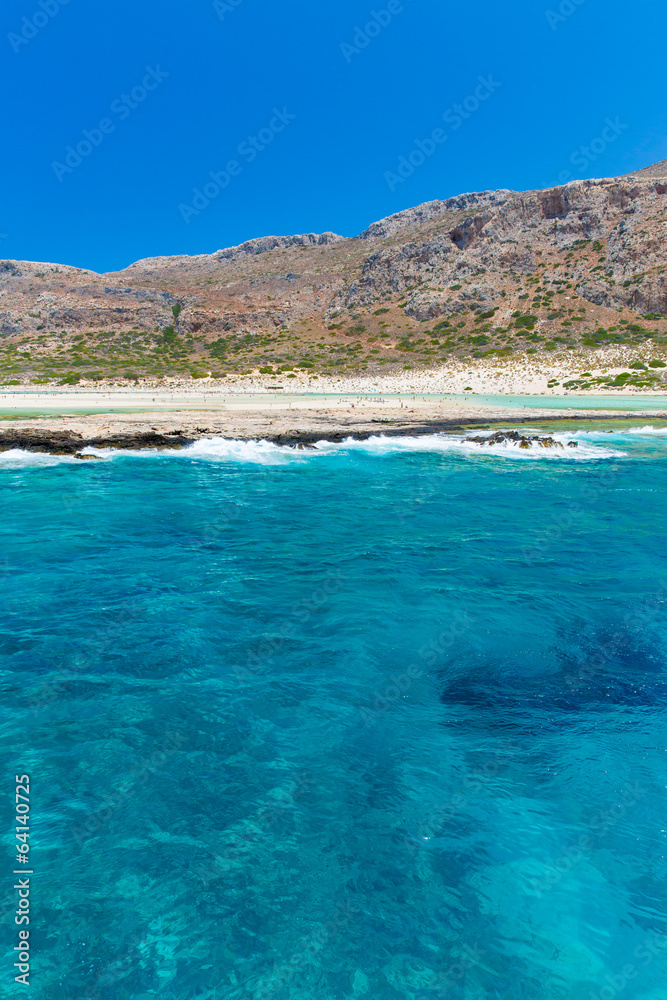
point(564, 271)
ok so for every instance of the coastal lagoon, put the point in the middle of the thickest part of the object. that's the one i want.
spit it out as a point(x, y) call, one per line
point(377, 719)
point(34, 405)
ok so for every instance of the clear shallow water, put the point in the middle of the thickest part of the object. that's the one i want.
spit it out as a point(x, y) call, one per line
point(383, 719)
point(573, 402)
point(637, 402)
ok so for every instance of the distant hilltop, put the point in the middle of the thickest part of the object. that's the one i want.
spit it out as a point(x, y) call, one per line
point(657, 170)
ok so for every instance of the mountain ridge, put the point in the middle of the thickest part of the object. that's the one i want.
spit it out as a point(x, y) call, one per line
point(588, 251)
point(388, 225)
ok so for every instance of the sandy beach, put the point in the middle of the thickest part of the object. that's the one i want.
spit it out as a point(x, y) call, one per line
point(519, 376)
point(68, 421)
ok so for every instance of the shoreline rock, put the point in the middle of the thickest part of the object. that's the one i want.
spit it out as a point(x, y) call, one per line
point(321, 427)
point(513, 437)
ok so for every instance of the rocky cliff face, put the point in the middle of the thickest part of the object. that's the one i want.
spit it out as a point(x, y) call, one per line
point(602, 243)
point(521, 232)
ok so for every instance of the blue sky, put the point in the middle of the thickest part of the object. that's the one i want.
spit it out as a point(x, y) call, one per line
point(302, 120)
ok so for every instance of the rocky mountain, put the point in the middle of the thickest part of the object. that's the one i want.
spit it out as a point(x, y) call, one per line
point(498, 273)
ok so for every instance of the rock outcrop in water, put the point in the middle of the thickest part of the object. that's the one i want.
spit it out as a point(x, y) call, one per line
point(72, 443)
point(522, 440)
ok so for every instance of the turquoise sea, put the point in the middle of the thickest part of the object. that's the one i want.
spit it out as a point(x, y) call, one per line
point(380, 719)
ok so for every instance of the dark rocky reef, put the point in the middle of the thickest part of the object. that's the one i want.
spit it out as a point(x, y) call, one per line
point(523, 441)
point(71, 443)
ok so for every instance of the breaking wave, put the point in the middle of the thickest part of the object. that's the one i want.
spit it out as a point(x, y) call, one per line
point(266, 453)
point(219, 449)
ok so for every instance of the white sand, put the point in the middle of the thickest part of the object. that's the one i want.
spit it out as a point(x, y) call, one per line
point(510, 377)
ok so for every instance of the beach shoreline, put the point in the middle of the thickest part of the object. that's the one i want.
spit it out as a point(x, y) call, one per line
point(507, 377)
point(297, 421)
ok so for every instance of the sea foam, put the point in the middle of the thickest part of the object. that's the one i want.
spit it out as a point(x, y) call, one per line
point(17, 458)
point(266, 453)
point(261, 452)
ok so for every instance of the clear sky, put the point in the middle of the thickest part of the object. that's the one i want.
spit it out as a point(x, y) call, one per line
point(302, 119)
